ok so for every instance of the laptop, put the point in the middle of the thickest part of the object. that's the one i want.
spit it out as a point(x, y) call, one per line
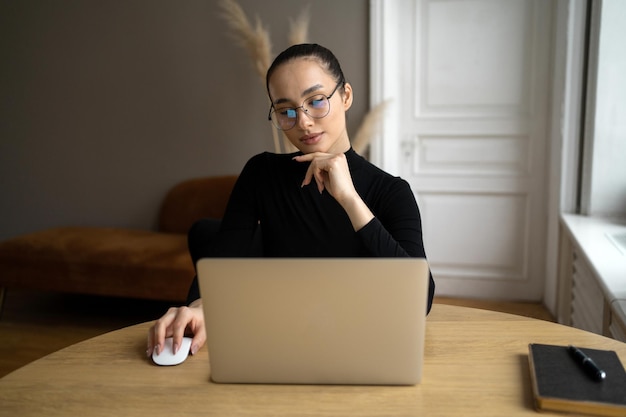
point(315, 321)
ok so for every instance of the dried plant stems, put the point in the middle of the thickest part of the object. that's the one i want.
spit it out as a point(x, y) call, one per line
point(299, 28)
point(256, 40)
point(369, 126)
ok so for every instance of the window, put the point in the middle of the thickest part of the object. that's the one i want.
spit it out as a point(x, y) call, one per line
point(603, 175)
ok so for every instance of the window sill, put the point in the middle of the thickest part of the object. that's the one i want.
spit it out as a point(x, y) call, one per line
point(596, 238)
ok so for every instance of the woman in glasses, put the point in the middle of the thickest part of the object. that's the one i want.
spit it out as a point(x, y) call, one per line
point(322, 201)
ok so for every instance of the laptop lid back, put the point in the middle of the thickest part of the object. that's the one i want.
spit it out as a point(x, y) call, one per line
point(315, 321)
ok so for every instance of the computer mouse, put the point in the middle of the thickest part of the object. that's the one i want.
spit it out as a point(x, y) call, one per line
point(167, 356)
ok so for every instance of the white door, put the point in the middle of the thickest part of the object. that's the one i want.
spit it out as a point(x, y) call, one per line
point(467, 128)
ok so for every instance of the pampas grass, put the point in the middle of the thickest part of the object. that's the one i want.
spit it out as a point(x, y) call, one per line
point(299, 28)
point(369, 126)
point(256, 40)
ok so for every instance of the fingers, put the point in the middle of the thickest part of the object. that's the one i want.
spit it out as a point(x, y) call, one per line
point(197, 327)
point(173, 324)
point(198, 340)
point(315, 172)
point(321, 163)
point(157, 333)
point(307, 156)
point(320, 180)
point(151, 342)
point(311, 170)
point(307, 177)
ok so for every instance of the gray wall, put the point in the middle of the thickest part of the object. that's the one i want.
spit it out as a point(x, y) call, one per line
point(104, 105)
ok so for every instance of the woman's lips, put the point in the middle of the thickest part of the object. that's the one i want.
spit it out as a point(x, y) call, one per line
point(311, 139)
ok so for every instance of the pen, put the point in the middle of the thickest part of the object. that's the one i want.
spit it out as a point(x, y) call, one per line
point(587, 363)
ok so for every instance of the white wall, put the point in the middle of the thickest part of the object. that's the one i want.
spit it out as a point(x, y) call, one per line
point(104, 105)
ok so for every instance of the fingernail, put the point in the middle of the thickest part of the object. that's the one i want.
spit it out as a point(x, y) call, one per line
point(176, 347)
point(148, 352)
point(194, 349)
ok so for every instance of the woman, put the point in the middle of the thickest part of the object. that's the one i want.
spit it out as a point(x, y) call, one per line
point(323, 201)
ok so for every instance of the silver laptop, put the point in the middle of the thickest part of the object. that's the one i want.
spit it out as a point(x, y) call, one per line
point(315, 321)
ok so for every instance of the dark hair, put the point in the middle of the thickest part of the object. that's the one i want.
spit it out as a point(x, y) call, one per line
point(308, 50)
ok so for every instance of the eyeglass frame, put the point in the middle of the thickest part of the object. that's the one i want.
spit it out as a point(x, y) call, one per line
point(328, 97)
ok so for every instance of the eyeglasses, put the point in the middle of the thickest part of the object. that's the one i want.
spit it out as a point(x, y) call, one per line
point(317, 107)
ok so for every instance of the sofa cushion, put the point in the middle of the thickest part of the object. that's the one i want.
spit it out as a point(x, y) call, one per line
point(101, 261)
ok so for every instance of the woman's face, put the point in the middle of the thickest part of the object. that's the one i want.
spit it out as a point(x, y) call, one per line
point(295, 81)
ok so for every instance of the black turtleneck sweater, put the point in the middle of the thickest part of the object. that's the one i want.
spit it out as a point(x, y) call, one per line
point(300, 222)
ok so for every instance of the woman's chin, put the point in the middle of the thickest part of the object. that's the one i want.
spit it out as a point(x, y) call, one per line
point(310, 148)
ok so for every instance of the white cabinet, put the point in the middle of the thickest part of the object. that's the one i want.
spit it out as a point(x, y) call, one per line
point(592, 275)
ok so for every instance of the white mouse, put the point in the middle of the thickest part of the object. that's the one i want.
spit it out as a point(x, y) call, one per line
point(167, 356)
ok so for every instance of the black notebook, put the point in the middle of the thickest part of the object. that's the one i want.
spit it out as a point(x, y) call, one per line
point(559, 383)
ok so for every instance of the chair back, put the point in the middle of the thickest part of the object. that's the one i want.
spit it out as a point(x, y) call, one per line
point(195, 199)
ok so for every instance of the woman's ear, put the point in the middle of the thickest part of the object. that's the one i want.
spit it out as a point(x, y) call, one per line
point(347, 96)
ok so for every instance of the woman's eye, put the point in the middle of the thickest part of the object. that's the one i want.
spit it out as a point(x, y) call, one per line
point(290, 113)
point(317, 102)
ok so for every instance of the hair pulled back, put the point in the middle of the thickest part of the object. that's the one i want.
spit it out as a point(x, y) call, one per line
point(323, 56)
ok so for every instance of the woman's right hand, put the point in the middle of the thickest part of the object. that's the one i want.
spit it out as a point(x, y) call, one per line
point(177, 322)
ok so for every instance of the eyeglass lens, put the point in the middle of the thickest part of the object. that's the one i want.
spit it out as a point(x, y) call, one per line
point(317, 107)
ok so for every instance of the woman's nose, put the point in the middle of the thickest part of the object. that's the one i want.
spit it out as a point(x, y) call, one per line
point(304, 120)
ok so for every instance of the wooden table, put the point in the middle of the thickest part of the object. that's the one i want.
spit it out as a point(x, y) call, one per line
point(476, 364)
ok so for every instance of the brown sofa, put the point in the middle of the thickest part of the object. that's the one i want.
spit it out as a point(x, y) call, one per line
point(113, 261)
